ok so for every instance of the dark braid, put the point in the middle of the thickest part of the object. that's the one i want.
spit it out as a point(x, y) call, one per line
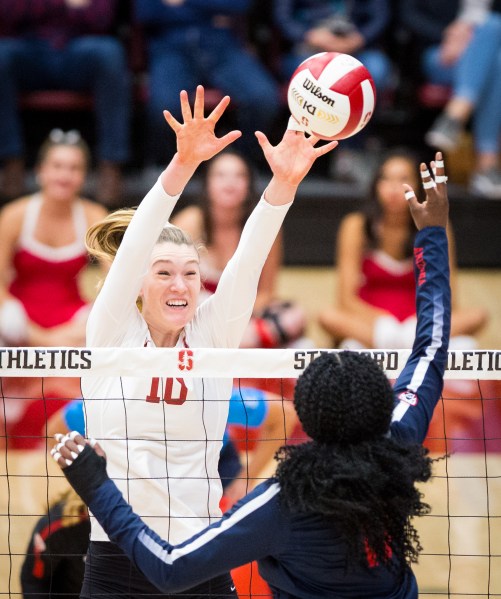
point(344, 398)
point(358, 478)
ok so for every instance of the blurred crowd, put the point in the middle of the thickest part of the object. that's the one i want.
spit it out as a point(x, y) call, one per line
point(125, 62)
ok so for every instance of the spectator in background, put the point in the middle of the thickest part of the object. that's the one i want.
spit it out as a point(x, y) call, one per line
point(460, 46)
point(42, 249)
point(191, 42)
point(42, 255)
point(64, 44)
point(375, 287)
point(350, 27)
point(228, 197)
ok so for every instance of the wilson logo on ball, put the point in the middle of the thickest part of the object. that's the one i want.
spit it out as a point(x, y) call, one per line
point(312, 109)
point(336, 94)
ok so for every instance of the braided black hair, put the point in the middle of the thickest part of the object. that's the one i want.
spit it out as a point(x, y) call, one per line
point(360, 479)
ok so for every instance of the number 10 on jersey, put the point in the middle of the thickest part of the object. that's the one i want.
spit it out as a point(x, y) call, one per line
point(175, 391)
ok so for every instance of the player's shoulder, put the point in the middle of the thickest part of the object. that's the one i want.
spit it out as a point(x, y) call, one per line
point(14, 211)
point(352, 237)
point(268, 489)
point(354, 223)
point(12, 218)
point(93, 211)
point(263, 502)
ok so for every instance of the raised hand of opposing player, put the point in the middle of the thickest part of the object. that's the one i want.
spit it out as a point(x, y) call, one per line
point(70, 446)
point(83, 462)
point(434, 211)
point(196, 138)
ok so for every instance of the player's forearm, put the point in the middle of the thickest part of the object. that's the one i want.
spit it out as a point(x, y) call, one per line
point(89, 478)
point(431, 266)
point(176, 175)
point(279, 192)
point(237, 288)
point(420, 384)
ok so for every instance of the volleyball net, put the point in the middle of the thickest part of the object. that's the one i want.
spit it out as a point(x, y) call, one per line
point(461, 537)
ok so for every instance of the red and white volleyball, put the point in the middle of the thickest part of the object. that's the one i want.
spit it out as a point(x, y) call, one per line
point(331, 95)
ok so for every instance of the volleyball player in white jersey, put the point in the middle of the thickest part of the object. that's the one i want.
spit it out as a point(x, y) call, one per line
point(162, 436)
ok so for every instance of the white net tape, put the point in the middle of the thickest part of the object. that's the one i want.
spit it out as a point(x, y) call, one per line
point(216, 363)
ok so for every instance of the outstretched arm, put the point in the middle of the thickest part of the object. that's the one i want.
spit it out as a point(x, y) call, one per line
point(211, 552)
point(196, 142)
point(231, 306)
point(418, 388)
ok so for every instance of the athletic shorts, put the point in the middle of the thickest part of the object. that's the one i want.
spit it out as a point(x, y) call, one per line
point(109, 574)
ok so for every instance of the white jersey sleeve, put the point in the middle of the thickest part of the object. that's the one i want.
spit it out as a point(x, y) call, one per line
point(115, 304)
point(227, 313)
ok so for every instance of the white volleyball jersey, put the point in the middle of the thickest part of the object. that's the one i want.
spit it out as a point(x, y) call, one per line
point(163, 436)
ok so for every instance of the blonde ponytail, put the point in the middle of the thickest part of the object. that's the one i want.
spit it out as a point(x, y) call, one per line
point(104, 237)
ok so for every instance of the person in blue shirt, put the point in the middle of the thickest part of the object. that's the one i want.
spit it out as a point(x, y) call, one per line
point(355, 27)
point(201, 40)
point(336, 519)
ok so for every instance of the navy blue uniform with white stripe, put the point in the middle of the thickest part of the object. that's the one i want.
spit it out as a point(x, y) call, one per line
point(299, 556)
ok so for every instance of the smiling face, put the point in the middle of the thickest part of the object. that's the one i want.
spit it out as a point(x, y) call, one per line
point(61, 173)
point(170, 291)
point(389, 187)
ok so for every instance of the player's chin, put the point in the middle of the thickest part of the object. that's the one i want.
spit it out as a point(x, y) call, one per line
point(179, 315)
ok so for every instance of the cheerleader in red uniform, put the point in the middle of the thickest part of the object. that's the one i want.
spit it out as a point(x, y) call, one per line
point(375, 286)
point(42, 255)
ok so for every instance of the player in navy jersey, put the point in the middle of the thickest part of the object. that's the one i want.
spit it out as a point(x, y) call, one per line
point(336, 520)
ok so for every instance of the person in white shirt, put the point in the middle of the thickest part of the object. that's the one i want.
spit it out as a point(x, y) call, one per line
point(163, 435)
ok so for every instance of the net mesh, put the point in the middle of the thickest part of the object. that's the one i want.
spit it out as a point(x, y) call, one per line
point(461, 537)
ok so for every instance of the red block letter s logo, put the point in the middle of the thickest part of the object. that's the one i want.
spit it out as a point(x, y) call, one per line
point(185, 359)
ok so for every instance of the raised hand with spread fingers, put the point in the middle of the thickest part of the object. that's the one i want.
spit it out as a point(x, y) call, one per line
point(434, 211)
